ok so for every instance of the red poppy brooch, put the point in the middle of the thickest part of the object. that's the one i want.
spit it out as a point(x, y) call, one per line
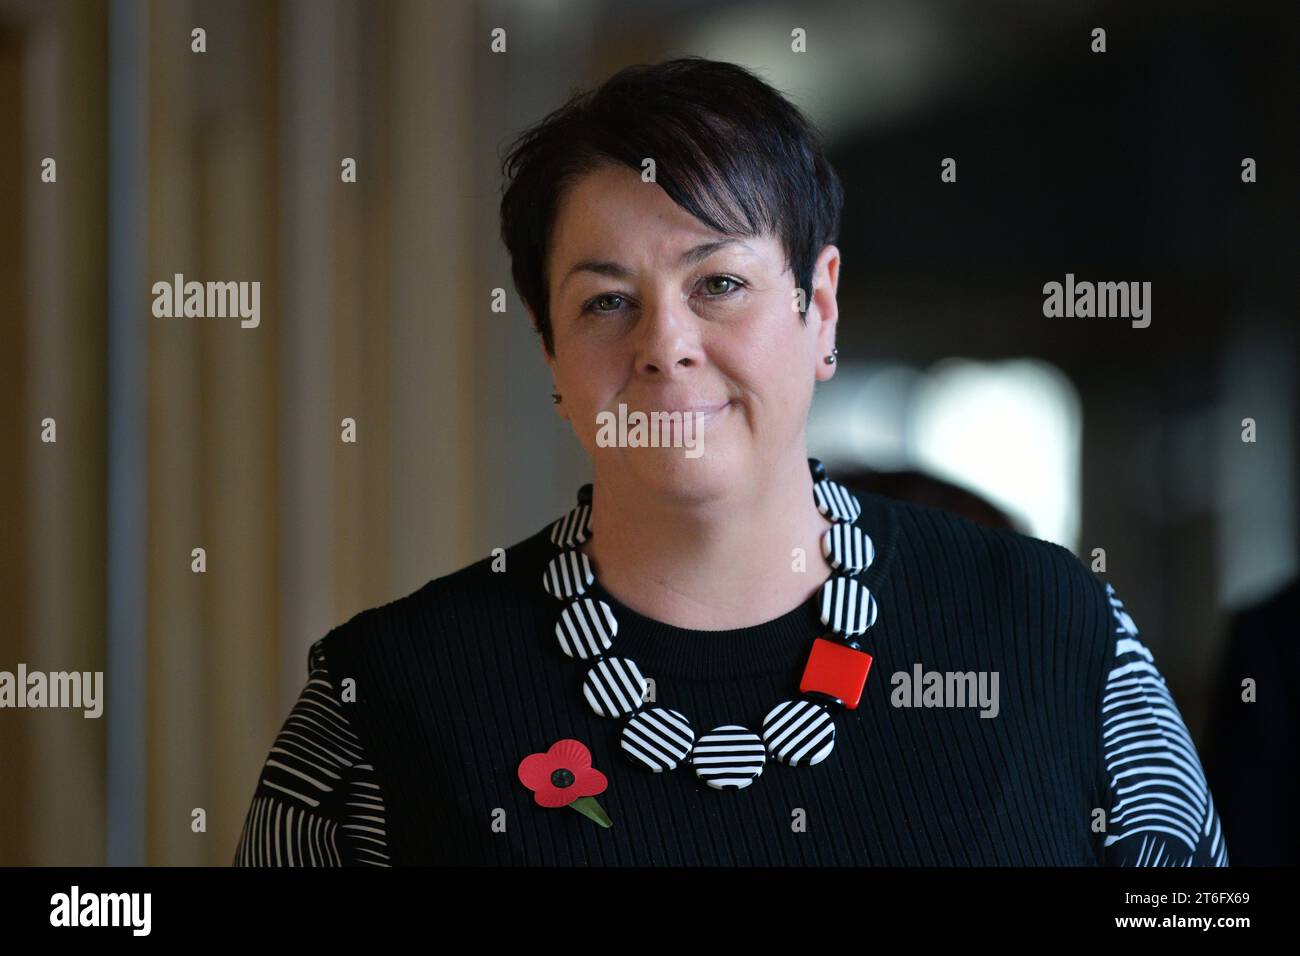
point(564, 777)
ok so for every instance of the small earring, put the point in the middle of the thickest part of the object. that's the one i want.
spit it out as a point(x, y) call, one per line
point(555, 398)
point(830, 359)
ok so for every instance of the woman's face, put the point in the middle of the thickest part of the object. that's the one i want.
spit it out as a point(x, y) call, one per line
point(652, 309)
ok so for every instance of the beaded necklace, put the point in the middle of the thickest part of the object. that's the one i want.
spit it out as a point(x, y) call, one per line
point(799, 731)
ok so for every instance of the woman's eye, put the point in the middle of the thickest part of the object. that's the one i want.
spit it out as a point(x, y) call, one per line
point(595, 305)
point(733, 285)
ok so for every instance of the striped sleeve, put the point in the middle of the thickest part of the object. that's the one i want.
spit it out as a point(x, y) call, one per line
point(318, 801)
point(1161, 812)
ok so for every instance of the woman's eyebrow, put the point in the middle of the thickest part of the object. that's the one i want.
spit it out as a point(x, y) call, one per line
point(602, 267)
point(616, 270)
point(705, 249)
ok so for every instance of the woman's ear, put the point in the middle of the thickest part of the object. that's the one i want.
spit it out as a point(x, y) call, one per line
point(823, 309)
point(550, 364)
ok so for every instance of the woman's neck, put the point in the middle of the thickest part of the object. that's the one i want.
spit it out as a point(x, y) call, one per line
point(726, 564)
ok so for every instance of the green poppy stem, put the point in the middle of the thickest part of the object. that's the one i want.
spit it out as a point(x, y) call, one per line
point(588, 807)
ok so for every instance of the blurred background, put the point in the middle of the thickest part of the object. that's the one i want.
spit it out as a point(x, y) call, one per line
point(952, 388)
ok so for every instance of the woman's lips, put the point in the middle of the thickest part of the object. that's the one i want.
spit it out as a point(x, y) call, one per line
point(703, 409)
point(699, 416)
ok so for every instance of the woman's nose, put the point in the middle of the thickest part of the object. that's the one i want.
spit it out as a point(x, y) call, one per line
point(669, 336)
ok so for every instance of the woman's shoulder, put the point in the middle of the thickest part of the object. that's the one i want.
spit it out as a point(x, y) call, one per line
point(1040, 588)
point(952, 537)
point(499, 577)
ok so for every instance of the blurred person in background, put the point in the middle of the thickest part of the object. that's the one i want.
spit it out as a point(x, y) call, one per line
point(1252, 747)
point(909, 484)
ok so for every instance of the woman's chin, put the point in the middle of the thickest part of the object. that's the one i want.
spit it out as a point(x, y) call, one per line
point(673, 473)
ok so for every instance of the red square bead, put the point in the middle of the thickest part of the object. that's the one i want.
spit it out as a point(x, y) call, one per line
point(836, 669)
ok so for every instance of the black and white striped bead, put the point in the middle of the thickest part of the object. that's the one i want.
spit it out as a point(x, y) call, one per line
point(568, 574)
point(573, 529)
point(848, 548)
point(614, 687)
point(729, 757)
point(657, 738)
point(799, 733)
point(835, 501)
point(586, 628)
point(847, 607)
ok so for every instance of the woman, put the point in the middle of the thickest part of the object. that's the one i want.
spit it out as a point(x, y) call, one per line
point(672, 238)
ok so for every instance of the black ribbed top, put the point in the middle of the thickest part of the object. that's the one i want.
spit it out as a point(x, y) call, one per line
point(460, 680)
point(666, 651)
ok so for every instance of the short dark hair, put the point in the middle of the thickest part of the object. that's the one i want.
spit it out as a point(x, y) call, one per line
point(728, 148)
